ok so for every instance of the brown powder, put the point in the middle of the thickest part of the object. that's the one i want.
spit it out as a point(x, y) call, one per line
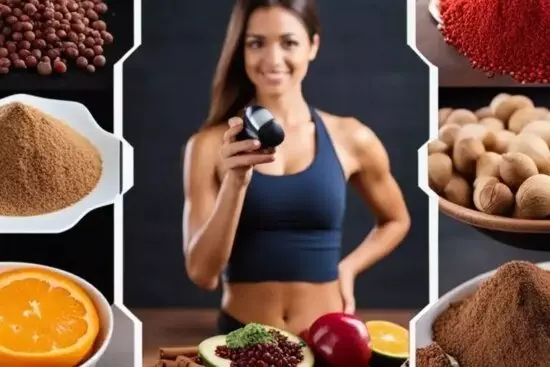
point(432, 356)
point(45, 165)
point(506, 323)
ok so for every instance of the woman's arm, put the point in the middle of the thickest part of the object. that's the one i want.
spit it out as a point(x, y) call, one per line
point(378, 188)
point(212, 210)
point(211, 213)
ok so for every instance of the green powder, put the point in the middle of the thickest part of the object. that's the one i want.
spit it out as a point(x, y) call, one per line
point(248, 335)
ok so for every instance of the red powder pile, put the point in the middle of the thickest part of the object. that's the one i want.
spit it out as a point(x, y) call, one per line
point(506, 323)
point(501, 36)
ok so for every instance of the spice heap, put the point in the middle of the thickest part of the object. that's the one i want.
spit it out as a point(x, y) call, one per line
point(251, 346)
point(45, 165)
point(258, 349)
point(432, 356)
point(506, 323)
point(501, 36)
point(495, 159)
point(45, 34)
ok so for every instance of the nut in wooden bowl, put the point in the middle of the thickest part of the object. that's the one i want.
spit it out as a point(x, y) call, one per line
point(493, 172)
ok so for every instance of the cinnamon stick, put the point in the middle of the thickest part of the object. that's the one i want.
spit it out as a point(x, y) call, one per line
point(187, 362)
point(172, 353)
point(181, 361)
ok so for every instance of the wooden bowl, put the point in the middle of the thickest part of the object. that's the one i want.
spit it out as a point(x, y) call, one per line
point(520, 233)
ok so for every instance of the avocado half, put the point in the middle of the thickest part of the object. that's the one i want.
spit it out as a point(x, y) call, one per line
point(207, 350)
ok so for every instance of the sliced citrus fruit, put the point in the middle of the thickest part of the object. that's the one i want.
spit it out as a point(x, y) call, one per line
point(390, 343)
point(46, 320)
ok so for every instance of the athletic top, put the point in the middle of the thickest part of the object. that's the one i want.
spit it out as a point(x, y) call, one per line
point(290, 228)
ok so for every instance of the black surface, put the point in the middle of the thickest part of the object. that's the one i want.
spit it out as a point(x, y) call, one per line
point(119, 21)
point(364, 69)
point(527, 241)
point(464, 251)
point(474, 98)
point(87, 249)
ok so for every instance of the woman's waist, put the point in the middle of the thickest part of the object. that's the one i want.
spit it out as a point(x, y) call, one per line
point(287, 239)
point(289, 305)
point(259, 263)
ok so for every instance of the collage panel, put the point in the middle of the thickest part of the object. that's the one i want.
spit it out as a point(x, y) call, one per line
point(489, 165)
point(67, 45)
point(490, 43)
point(60, 172)
point(297, 216)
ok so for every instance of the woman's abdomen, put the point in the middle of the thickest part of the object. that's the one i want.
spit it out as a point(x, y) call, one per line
point(292, 306)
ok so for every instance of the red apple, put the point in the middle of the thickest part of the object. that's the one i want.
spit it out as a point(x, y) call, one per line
point(305, 336)
point(341, 340)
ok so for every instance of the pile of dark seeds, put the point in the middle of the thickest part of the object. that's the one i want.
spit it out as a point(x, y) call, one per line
point(283, 353)
point(45, 34)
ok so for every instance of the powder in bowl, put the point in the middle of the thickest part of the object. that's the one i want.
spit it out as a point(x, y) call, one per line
point(506, 323)
point(45, 165)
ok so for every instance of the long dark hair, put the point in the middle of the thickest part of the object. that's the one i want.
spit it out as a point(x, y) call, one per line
point(231, 88)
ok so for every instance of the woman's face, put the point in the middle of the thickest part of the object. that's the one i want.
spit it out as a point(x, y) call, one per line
point(277, 50)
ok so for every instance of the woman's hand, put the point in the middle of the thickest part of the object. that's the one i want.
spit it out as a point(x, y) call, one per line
point(347, 287)
point(240, 157)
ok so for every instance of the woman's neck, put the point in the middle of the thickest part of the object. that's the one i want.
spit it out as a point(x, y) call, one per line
point(288, 109)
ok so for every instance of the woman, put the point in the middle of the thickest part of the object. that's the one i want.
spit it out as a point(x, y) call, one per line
point(270, 221)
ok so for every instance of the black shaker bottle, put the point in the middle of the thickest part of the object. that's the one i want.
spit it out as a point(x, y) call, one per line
point(260, 124)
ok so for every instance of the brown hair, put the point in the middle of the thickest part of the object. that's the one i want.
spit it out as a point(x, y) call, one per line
point(231, 88)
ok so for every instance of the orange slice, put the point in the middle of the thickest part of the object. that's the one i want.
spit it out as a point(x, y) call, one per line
point(389, 339)
point(46, 320)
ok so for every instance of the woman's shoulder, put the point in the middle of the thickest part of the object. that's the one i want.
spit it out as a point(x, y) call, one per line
point(348, 128)
point(206, 141)
point(357, 139)
point(208, 136)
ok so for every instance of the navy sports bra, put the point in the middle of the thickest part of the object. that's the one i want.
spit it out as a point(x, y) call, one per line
point(291, 226)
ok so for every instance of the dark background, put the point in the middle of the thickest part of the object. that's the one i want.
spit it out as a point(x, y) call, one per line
point(463, 251)
point(86, 249)
point(364, 69)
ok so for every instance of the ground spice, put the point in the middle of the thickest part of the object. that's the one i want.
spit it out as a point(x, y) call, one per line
point(501, 36)
point(506, 323)
point(432, 356)
point(45, 165)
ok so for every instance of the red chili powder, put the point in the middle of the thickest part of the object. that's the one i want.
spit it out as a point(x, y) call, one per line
point(501, 36)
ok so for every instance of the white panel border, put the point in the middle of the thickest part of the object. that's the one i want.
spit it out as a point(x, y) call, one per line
point(127, 179)
point(423, 175)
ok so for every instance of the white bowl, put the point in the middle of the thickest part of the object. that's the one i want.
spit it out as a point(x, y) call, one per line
point(106, 323)
point(433, 8)
point(107, 189)
point(424, 322)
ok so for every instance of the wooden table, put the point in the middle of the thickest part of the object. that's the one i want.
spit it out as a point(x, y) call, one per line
point(454, 69)
point(179, 327)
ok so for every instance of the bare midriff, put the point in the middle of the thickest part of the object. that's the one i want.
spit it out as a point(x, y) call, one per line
point(291, 306)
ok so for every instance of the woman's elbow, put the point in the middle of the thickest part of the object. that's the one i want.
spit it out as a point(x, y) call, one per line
point(406, 222)
point(200, 277)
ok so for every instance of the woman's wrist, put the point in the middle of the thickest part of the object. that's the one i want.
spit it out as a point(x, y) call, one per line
point(348, 266)
point(236, 180)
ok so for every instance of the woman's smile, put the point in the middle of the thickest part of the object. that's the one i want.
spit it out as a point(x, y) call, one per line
point(274, 77)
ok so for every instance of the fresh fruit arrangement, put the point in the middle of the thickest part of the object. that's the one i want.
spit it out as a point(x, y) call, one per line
point(496, 159)
point(333, 340)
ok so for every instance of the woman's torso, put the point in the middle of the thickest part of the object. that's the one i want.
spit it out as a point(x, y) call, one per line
point(284, 266)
